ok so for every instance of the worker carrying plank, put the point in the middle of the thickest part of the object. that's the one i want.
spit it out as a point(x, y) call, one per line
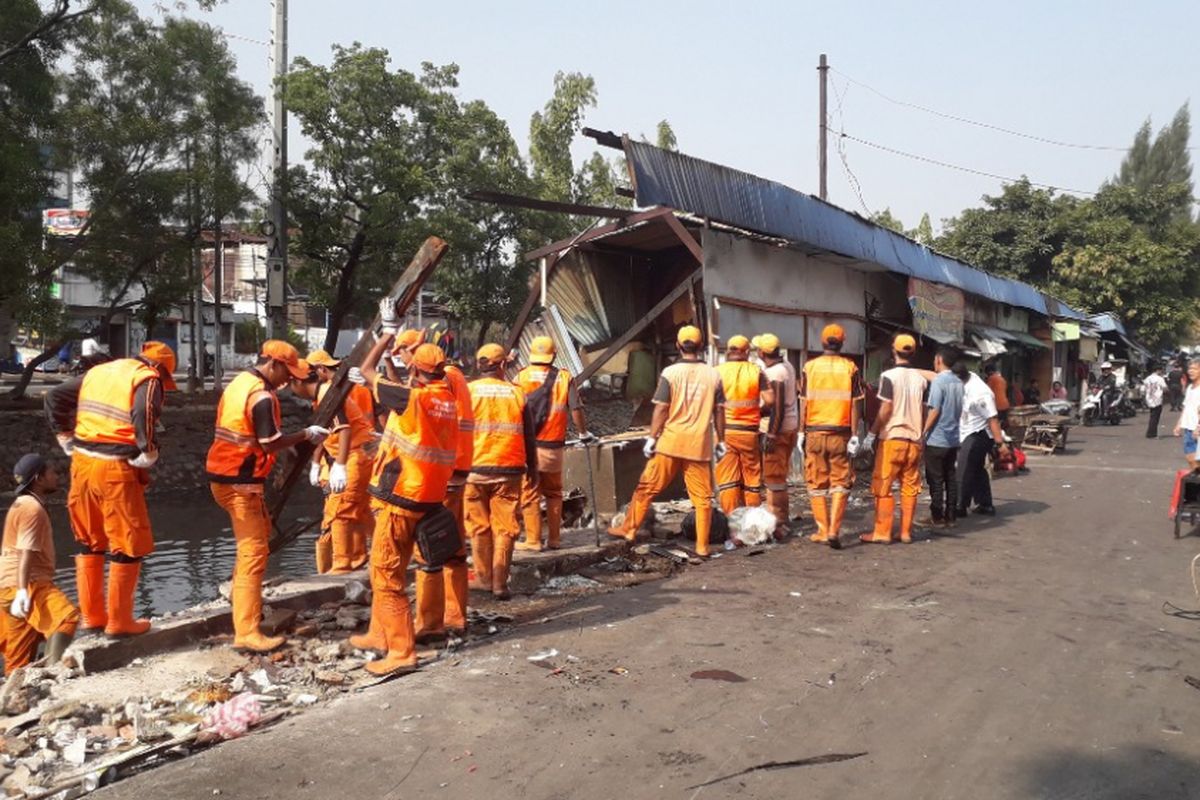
point(831, 392)
point(553, 399)
point(246, 439)
point(739, 473)
point(106, 421)
point(415, 462)
point(504, 452)
point(688, 406)
point(341, 466)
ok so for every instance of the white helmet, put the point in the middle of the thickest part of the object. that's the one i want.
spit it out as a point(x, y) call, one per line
point(1106, 365)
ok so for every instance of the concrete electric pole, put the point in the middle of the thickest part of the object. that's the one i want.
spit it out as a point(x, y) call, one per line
point(823, 129)
point(275, 227)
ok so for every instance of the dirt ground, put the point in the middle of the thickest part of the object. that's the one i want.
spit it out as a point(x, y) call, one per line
point(1023, 656)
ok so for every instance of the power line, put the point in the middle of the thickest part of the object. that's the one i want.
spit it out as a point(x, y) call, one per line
point(972, 170)
point(987, 125)
point(851, 178)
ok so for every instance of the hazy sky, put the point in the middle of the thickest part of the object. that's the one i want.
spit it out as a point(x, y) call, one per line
point(738, 83)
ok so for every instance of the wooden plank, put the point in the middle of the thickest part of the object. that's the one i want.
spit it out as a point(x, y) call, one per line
point(602, 230)
point(537, 204)
point(636, 328)
point(404, 292)
point(686, 238)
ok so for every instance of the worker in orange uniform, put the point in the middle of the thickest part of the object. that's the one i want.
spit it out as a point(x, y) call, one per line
point(37, 609)
point(999, 386)
point(416, 459)
point(688, 406)
point(342, 467)
point(245, 443)
point(504, 451)
point(783, 429)
point(831, 393)
point(551, 400)
point(900, 426)
point(739, 473)
point(442, 594)
point(107, 422)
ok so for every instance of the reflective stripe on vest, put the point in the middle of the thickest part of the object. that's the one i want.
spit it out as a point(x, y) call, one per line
point(554, 430)
point(361, 427)
point(740, 381)
point(236, 455)
point(828, 386)
point(499, 441)
point(104, 415)
point(418, 450)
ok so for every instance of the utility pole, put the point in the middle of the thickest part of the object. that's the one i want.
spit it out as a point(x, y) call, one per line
point(275, 228)
point(823, 129)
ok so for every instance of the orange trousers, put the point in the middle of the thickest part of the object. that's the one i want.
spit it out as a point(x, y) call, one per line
point(490, 511)
point(549, 486)
point(50, 612)
point(348, 515)
point(777, 462)
point(251, 523)
point(897, 460)
point(442, 595)
point(827, 462)
point(391, 550)
point(107, 506)
point(659, 472)
point(739, 473)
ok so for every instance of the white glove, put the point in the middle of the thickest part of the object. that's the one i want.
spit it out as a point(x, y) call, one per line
point(800, 442)
point(355, 376)
point(852, 446)
point(144, 460)
point(720, 449)
point(315, 433)
point(869, 443)
point(20, 604)
point(388, 317)
point(314, 474)
point(648, 448)
point(337, 477)
point(67, 442)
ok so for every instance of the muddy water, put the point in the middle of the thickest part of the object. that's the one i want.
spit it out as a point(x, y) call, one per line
point(194, 551)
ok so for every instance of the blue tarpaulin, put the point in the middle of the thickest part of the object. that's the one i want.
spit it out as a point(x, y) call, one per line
point(746, 201)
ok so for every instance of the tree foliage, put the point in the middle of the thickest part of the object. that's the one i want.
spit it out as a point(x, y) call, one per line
point(1163, 160)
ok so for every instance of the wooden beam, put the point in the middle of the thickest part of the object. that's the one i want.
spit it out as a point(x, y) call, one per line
point(601, 230)
point(636, 328)
point(604, 138)
point(537, 204)
point(404, 292)
point(686, 238)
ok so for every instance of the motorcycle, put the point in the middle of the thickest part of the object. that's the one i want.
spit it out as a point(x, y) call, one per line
point(1102, 405)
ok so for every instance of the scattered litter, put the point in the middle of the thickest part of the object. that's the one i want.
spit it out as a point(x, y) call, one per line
point(234, 717)
point(794, 594)
point(718, 675)
point(543, 655)
point(752, 525)
point(561, 583)
point(619, 671)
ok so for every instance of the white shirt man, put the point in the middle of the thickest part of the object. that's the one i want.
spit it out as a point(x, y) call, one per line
point(1153, 390)
point(980, 429)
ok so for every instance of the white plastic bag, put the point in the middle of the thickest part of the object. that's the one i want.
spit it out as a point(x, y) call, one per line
point(758, 525)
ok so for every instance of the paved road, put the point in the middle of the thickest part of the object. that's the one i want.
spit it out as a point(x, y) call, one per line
point(1026, 656)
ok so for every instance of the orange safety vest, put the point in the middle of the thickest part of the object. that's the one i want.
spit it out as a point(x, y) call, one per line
point(828, 393)
point(499, 409)
point(358, 422)
point(742, 382)
point(235, 455)
point(104, 417)
point(553, 432)
point(466, 419)
point(362, 398)
point(417, 452)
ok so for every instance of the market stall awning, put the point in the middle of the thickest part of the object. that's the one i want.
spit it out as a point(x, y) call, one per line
point(987, 340)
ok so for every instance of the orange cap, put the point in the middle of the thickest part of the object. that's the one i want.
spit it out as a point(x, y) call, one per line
point(428, 358)
point(408, 339)
point(164, 358)
point(738, 342)
point(905, 344)
point(688, 334)
point(833, 333)
point(768, 343)
point(321, 358)
point(490, 354)
point(541, 351)
point(284, 353)
point(308, 369)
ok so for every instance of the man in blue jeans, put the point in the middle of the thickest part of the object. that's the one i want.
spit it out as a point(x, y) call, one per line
point(1189, 421)
point(942, 417)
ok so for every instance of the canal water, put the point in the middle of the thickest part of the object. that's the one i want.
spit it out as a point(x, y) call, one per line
point(194, 550)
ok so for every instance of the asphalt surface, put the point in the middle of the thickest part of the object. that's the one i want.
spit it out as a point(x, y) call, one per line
point(1026, 656)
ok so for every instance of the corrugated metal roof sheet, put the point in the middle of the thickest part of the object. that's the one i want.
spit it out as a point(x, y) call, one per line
point(739, 198)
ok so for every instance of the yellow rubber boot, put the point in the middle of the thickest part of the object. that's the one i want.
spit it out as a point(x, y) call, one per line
point(820, 511)
point(395, 621)
point(481, 558)
point(359, 538)
point(837, 511)
point(247, 614)
point(89, 580)
point(885, 508)
point(908, 509)
point(324, 553)
point(501, 566)
point(343, 548)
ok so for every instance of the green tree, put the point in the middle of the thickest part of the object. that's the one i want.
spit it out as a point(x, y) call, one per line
point(666, 137)
point(888, 220)
point(923, 233)
point(1162, 160)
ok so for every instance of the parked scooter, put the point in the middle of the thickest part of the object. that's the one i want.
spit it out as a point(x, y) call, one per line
point(1102, 405)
